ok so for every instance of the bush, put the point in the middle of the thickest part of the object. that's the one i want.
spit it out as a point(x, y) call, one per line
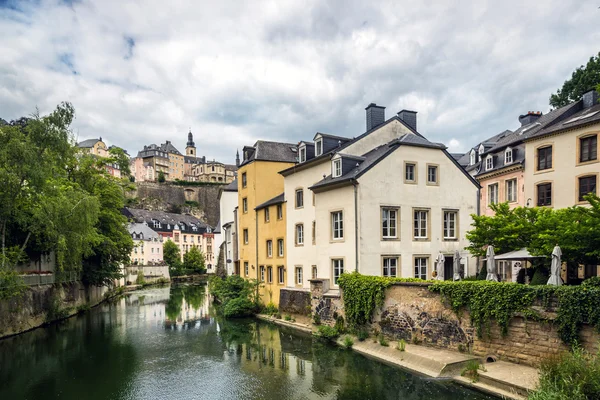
point(383, 341)
point(288, 317)
point(471, 370)
point(328, 332)
point(401, 345)
point(270, 309)
point(239, 307)
point(140, 278)
point(316, 319)
point(540, 276)
point(362, 334)
point(573, 376)
point(592, 282)
point(482, 275)
point(339, 324)
point(348, 342)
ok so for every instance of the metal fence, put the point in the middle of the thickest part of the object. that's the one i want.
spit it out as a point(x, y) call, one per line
point(48, 279)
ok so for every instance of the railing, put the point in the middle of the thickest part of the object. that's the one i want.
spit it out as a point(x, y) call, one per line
point(49, 279)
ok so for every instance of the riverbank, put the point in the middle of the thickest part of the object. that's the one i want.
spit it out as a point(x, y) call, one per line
point(502, 379)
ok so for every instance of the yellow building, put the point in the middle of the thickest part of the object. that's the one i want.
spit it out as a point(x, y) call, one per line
point(261, 215)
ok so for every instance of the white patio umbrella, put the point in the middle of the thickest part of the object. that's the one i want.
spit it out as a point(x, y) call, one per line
point(439, 265)
point(491, 265)
point(555, 267)
point(456, 266)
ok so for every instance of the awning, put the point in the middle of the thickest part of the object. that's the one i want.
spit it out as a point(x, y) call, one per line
point(522, 254)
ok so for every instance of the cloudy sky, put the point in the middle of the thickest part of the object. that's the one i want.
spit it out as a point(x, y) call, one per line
point(141, 72)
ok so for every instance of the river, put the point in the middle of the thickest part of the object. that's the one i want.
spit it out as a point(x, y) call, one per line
point(166, 343)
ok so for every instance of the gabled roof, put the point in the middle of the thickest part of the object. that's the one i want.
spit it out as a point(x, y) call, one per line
point(327, 135)
point(169, 148)
point(577, 118)
point(137, 227)
point(86, 144)
point(232, 187)
point(279, 199)
point(273, 151)
point(518, 159)
point(147, 216)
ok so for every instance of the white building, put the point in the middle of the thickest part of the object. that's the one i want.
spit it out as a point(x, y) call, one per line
point(410, 197)
point(228, 202)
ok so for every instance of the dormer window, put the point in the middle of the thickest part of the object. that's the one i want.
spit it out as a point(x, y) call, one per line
point(168, 226)
point(302, 151)
point(489, 162)
point(508, 156)
point(473, 159)
point(156, 223)
point(318, 147)
point(336, 168)
point(481, 151)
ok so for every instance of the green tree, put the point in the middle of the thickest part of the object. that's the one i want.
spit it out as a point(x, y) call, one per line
point(161, 177)
point(582, 79)
point(172, 257)
point(193, 260)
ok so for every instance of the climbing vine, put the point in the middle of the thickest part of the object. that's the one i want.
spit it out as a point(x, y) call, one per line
point(364, 294)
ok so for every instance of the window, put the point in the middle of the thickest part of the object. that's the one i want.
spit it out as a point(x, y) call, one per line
point(410, 172)
point(246, 272)
point(245, 236)
point(389, 217)
point(338, 269)
point(337, 225)
point(587, 184)
point(279, 211)
point(450, 219)
point(302, 154)
point(267, 215)
point(299, 235)
point(493, 194)
point(508, 156)
point(421, 267)
point(314, 272)
point(432, 174)
point(280, 247)
point(262, 273)
point(245, 205)
point(544, 158)
point(420, 224)
point(244, 180)
point(489, 162)
point(318, 147)
point(298, 275)
point(390, 266)
point(473, 157)
point(544, 193)
point(269, 248)
point(314, 232)
point(299, 198)
point(337, 168)
point(270, 274)
point(588, 148)
point(511, 190)
point(280, 274)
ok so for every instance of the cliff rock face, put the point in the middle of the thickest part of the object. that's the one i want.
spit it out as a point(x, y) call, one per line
point(199, 201)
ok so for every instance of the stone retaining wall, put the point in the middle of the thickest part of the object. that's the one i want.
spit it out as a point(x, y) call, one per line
point(294, 301)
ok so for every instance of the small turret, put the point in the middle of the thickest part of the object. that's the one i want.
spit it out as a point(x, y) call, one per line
point(190, 149)
point(237, 158)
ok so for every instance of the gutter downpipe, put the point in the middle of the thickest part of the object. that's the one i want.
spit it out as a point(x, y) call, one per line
point(256, 249)
point(478, 214)
point(355, 184)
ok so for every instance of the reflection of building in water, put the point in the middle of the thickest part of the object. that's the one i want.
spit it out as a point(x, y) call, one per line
point(188, 307)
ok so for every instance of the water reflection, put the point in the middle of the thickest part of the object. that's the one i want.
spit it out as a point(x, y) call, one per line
point(166, 343)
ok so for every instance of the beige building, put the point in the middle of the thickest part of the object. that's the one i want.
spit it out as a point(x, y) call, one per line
point(562, 159)
point(155, 158)
point(141, 171)
point(97, 147)
point(147, 245)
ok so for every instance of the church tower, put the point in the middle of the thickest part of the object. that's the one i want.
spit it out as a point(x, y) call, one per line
point(190, 149)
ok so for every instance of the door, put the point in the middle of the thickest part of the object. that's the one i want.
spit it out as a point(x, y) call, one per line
point(448, 269)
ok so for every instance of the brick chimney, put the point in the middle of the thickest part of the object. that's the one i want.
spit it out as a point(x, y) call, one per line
point(375, 115)
point(590, 98)
point(409, 117)
point(530, 117)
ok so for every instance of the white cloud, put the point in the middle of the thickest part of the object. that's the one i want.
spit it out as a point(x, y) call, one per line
point(145, 71)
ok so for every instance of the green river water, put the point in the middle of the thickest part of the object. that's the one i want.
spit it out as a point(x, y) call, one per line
point(166, 343)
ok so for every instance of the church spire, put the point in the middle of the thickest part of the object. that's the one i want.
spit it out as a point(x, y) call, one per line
point(237, 158)
point(190, 142)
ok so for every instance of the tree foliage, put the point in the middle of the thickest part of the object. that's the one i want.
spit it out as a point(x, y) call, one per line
point(172, 257)
point(235, 296)
point(193, 260)
point(161, 177)
point(583, 78)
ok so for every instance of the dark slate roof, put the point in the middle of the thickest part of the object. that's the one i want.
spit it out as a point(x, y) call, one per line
point(518, 159)
point(273, 151)
point(377, 154)
point(140, 215)
point(88, 143)
point(328, 154)
point(275, 200)
point(218, 227)
point(169, 148)
point(457, 156)
point(327, 135)
point(232, 187)
point(137, 228)
point(578, 117)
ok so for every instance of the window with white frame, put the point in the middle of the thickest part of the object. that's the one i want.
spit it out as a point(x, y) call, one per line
point(300, 234)
point(421, 267)
point(473, 157)
point(267, 215)
point(337, 168)
point(338, 269)
point(390, 267)
point(299, 198)
point(245, 236)
point(269, 248)
point(508, 156)
point(420, 224)
point(318, 147)
point(337, 225)
point(314, 272)
point(246, 272)
point(280, 247)
point(450, 219)
point(280, 274)
point(279, 211)
point(298, 275)
point(302, 152)
point(245, 205)
point(493, 194)
point(269, 274)
point(410, 172)
point(262, 273)
point(489, 163)
point(389, 218)
point(432, 174)
point(511, 190)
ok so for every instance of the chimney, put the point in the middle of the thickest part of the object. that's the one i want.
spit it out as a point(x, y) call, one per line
point(590, 98)
point(375, 115)
point(530, 117)
point(409, 118)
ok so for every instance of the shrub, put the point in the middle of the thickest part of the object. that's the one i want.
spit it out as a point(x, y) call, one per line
point(316, 319)
point(348, 342)
point(327, 332)
point(339, 324)
point(270, 309)
point(573, 376)
point(383, 341)
point(401, 345)
point(471, 370)
point(594, 282)
point(482, 273)
point(239, 307)
point(140, 278)
point(362, 334)
point(416, 340)
point(234, 296)
point(288, 317)
point(540, 276)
